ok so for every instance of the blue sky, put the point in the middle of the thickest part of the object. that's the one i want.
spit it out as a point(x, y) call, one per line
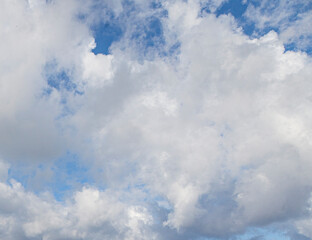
point(105, 33)
point(155, 119)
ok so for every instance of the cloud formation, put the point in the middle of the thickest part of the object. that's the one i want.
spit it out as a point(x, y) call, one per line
point(189, 128)
point(289, 18)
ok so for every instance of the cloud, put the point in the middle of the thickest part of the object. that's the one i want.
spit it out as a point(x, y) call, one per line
point(234, 139)
point(31, 37)
point(206, 141)
point(89, 214)
point(288, 18)
point(97, 68)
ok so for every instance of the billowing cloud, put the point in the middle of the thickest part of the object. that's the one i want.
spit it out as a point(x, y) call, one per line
point(189, 128)
point(89, 214)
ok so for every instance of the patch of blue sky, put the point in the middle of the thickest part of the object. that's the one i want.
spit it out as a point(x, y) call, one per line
point(58, 78)
point(293, 46)
point(21, 174)
point(263, 234)
point(61, 177)
point(237, 9)
point(256, 234)
point(234, 7)
point(294, 7)
point(105, 33)
point(156, 5)
point(145, 33)
point(69, 173)
point(151, 40)
point(110, 28)
point(149, 34)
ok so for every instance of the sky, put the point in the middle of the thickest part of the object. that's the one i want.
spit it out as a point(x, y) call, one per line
point(155, 120)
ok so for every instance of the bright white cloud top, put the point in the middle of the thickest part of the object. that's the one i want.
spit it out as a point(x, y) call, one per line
point(155, 119)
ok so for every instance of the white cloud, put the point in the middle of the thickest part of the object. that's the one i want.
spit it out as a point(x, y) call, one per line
point(90, 214)
point(31, 37)
point(230, 93)
point(208, 142)
point(97, 69)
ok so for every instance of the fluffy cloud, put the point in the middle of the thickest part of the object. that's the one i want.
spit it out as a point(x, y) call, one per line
point(89, 214)
point(204, 141)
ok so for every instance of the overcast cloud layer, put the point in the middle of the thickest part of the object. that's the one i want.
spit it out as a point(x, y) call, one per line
point(186, 129)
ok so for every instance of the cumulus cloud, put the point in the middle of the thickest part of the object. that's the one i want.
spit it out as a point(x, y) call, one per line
point(208, 140)
point(89, 214)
